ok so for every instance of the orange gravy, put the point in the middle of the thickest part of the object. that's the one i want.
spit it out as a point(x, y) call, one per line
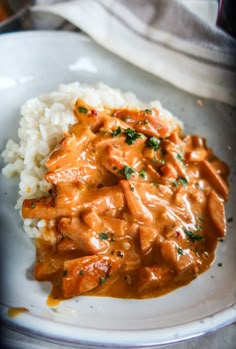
point(135, 210)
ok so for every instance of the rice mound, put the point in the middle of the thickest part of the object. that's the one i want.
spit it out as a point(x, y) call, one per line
point(43, 123)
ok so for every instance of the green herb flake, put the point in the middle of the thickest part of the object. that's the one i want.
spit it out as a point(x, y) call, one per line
point(175, 183)
point(179, 157)
point(131, 136)
point(142, 173)
point(200, 219)
point(64, 273)
point(102, 279)
point(116, 132)
point(192, 236)
point(162, 161)
point(154, 159)
point(132, 188)
point(163, 151)
point(83, 110)
point(146, 122)
point(126, 171)
point(220, 264)
point(230, 219)
point(183, 181)
point(181, 149)
point(32, 205)
point(154, 143)
point(180, 251)
point(148, 111)
point(114, 168)
point(221, 240)
point(81, 272)
point(155, 185)
point(199, 185)
point(198, 227)
point(103, 236)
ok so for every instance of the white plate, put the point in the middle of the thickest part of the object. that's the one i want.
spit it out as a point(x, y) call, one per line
point(33, 63)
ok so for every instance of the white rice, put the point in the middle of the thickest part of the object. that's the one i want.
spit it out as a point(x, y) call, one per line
point(44, 120)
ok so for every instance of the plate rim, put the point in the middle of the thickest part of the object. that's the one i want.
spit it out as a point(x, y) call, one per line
point(137, 338)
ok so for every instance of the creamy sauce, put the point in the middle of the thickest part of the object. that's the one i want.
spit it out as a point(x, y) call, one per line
point(16, 311)
point(136, 208)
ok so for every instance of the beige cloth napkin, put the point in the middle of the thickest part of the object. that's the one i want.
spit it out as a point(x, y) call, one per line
point(177, 42)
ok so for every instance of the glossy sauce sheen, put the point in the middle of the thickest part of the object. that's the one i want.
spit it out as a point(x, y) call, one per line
point(135, 210)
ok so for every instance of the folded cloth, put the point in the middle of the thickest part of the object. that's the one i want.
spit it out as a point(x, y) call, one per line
point(163, 37)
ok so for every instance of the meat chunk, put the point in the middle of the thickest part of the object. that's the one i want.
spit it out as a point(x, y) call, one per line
point(86, 239)
point(88, 116)
point(134, 203)
point(85, 273)
point(217, 213)
point(99, 199)
point(215, 179)
point(155, 277)
point(147, 236)
point(181, 260)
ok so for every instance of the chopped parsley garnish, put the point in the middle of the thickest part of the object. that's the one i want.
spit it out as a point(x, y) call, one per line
point(142, 173)
point(131, 136)
point(148, 111)
point(198, 227)
point(32, 205)
point(154, 159)
point(102, 279)
point(64, 273)
point(183, 181)
point(192, 236)
point(179, 157)
point(81, 272)
point(114, 168)
point(83, 110)
point(126, 171)
point(200, 219)
point(162, 161)
point(116, 132)
point(154, 143)
point(103, 236)
point(175, 183)
point(146, 122)
point(180, 251)
point(230, 219)
point(132, 188)
point(163, 151)
point(199, 185)
point(181, 149)
point(221, 240)
point(155, 185)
